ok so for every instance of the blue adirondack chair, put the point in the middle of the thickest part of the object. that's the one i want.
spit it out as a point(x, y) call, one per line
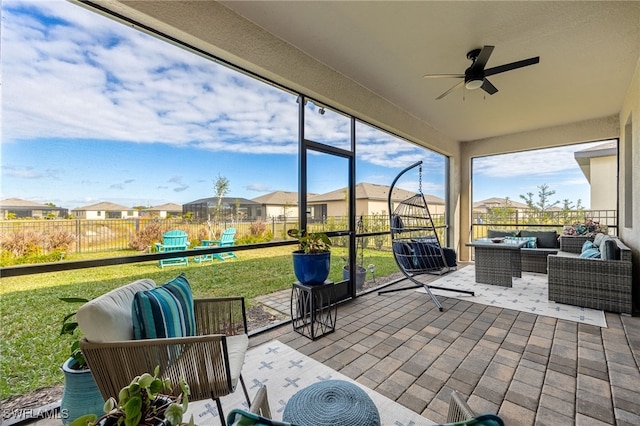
point(227, 239)
point(175, 240)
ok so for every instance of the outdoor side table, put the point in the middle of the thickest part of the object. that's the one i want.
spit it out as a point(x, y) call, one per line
point(313, 309)
point(497, 263)
point(204, 257)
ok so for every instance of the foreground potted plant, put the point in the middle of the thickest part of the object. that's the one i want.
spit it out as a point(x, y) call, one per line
point(146, 401)
point(80, 394)
point(312, 259)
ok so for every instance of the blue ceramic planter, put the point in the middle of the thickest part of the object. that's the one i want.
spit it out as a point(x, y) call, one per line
point(312, 268)
point(81, 395)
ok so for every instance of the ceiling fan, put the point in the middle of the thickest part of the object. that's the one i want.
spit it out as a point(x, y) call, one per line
point(475, 77)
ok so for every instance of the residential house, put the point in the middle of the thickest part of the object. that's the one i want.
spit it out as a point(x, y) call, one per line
point(231, 208)
point(371, 199)
point(163, 210)
point(600, 166)
point(104, 210)
point(278, 205)
point(19, 208)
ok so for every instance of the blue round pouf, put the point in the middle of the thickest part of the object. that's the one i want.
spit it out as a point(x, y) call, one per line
point(331, 403)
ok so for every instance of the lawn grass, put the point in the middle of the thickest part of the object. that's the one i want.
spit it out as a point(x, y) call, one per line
point(31, 313)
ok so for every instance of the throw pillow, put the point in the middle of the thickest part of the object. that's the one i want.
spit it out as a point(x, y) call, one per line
point(598, 238)
point(165, 311)
point(592, 253)
point(531, 241)
point(545, 239)
point(588, 245)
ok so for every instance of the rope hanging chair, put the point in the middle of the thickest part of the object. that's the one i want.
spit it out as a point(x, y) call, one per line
point(415, 242)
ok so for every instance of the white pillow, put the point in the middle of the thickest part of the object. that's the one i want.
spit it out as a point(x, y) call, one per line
point(107, 318)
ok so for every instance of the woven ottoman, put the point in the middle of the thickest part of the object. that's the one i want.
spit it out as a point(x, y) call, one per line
point(331, 403)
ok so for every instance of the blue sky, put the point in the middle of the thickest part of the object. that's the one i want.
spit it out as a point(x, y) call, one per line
point(93, 110)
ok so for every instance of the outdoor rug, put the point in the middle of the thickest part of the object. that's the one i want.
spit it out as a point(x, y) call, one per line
point(285, 371)
point(528, 294)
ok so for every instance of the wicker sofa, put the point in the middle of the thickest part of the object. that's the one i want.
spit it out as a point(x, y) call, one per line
point(534, 259)
point(592, 282)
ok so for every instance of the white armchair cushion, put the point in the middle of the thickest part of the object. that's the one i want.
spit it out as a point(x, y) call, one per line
point(237, 347)
point(107, 318)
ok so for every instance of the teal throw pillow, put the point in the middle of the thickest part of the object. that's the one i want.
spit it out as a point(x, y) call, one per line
point(531, 241)
point(588, 245)
point(592, 253)
point(164, 311)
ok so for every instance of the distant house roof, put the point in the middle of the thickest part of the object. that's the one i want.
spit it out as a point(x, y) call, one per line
point(19, 202)
point(26, 205)
point(278, 198)
point(494, 202)
point(373, 191)
point(168, 207)
point(104, 205)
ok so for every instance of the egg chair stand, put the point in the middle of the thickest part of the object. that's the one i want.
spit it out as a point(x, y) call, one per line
point(415, 242)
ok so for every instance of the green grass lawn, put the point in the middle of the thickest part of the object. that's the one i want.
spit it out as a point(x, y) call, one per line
point(32, 349)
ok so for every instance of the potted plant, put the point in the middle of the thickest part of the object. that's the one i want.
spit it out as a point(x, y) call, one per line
point(80, 394)
point(146, 401)
point(311, 261)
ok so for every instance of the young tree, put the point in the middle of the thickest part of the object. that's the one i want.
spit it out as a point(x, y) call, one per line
point(221, 187)
point(543, 204)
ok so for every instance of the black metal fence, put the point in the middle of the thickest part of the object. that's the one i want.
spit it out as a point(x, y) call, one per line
point(94, 236)
point(535, 219)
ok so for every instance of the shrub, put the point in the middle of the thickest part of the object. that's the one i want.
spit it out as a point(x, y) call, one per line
point(22, 243)
point(59, 240)
point(145, 237)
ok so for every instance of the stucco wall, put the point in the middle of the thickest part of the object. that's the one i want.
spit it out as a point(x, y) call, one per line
point(630, 113)
point(604, 188)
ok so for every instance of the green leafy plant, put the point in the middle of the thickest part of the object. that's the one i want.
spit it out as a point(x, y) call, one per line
point(70, 327)
point(313, 242)
point(146, 401)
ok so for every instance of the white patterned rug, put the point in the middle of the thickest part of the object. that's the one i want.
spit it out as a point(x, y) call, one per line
point(285, 371)
point(528, 294)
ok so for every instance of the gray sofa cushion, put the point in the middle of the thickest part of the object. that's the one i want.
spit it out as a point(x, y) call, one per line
point(497, 233)
point(609, 249)
point(545, 239)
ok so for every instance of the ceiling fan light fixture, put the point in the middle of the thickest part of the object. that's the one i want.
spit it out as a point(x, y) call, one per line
point(473, 84)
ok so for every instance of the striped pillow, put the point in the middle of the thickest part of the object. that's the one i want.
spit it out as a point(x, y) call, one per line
point(164, 311)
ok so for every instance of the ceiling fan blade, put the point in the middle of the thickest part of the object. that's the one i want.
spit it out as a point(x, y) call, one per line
point(450, 90)
point(482, 59)
point(443, 76)
point(488, 87)
point(511, 66)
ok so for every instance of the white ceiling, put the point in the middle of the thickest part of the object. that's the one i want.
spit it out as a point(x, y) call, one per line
point(588, 52)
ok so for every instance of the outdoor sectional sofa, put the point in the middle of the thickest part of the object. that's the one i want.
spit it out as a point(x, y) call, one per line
point(604, 283)
point(534, 256)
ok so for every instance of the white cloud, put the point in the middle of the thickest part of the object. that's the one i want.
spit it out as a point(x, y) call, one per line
point(540, 162)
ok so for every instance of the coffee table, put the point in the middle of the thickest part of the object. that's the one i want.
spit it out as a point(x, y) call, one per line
point(497, 262)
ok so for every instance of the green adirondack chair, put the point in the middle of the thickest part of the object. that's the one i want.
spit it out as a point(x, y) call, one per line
point(174, 240)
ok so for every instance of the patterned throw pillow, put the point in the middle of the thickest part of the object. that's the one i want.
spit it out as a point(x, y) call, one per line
point(531, 241)
point(592, 253)
point(164, 311)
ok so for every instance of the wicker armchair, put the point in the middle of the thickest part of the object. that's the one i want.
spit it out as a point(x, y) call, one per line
point(591, 283)
point(210, 362)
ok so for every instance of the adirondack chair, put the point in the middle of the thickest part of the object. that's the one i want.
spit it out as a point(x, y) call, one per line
point(175, 240)
point(226, 240)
